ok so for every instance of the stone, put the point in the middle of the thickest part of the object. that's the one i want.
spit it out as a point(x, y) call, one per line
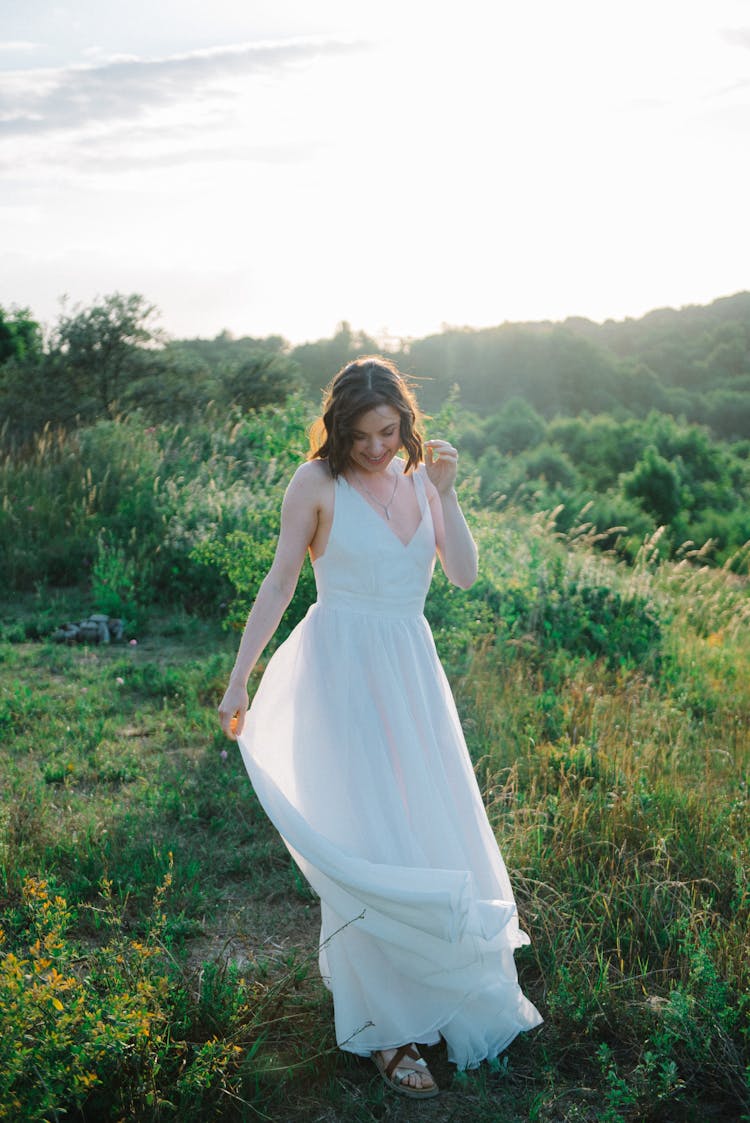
point(98, 628)
point(66, 633)
point(116, 628)
point(88, 631)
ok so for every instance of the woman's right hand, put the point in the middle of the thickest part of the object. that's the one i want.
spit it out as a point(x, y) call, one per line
point(232, 710)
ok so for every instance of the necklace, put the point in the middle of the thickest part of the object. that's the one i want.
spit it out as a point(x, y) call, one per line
point(386, 506)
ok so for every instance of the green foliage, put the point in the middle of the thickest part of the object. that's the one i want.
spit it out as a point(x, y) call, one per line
point(692, 1039)
point(727, 412)
point(115, 583)
point(558, 600)
point(606, 708)
point(123, 1038)
point(244, 558)
point(517, 426)
point(142, 498)
point(692, 363)
point(99, 350)
point(318, 362)
point(492, 478)
point(260, 380)
point(188, 378)
point(547, 463)
point(605, 704)
point(108, 360)
point(632, 475)
point(600, 446)
point(656, 482)
point(20, 335)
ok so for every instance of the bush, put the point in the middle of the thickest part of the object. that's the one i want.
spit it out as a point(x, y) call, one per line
point(116, 586)
point(131, 501)
point(557, 600)
point(244, 558)
point(656, 482)
point(99, 1038)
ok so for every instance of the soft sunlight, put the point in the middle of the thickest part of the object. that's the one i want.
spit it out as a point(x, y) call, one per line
point(278, 169)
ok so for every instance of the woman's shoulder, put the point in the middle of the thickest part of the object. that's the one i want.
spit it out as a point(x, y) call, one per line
point(312, 480)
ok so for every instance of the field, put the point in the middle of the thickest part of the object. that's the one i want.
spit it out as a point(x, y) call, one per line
point(159, 947)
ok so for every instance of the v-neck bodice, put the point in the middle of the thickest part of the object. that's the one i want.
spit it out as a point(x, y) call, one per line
point(366, 567)
point(421, 500)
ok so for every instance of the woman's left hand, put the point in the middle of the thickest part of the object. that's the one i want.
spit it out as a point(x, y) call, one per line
point(441, 462)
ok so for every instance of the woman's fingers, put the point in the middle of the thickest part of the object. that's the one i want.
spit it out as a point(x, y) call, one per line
point(228, 723)
point(235, 725)
point(440, 450)
point(232, 724)
point(441, 463)
point(232, 715)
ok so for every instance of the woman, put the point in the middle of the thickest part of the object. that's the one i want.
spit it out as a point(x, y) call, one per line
point(354, 746)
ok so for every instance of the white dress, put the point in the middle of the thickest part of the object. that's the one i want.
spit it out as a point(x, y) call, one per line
point(354, 747)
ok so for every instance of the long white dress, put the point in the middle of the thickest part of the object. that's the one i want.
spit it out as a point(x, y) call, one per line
point(354, 747)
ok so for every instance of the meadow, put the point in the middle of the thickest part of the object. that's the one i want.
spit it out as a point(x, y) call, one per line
point(158, 955)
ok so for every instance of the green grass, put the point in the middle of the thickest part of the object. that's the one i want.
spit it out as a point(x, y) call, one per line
point(159, 946)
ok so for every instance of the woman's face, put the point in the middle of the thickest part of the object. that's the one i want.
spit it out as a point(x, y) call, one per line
point(376, 438)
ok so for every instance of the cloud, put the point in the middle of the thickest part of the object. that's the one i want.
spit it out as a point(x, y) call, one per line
point(98, 161)
point(733, 88)
point(646, 104)
point(17, 45)
point(737, 36)
point(44, 101)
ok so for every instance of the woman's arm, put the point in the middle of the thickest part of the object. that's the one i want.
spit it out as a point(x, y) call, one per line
point(299, 519)
point(456, 548)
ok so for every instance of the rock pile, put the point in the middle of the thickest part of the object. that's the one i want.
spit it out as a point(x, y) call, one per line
point(97, 629)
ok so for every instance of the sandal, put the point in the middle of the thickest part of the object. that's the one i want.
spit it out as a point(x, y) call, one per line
point(395, 1074)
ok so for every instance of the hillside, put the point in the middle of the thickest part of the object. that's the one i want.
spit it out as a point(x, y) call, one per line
point(159, 947)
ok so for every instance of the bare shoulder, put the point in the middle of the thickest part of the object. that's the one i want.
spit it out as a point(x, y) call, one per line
point(311, 483)
point(309, 503)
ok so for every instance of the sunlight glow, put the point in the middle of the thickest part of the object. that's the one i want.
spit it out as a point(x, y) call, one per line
point(279, 172)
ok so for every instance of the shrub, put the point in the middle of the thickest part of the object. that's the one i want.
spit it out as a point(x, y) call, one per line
point(79, 1040)
point(244, 558)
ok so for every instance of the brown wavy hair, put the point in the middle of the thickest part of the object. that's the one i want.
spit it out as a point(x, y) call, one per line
point(358, 387)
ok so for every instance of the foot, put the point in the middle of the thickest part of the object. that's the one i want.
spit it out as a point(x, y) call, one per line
point(405, 1071)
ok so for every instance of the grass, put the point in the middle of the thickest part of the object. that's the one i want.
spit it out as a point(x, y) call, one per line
point(159, 945)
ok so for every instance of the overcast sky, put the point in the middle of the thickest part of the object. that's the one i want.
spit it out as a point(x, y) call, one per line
point(279, 166)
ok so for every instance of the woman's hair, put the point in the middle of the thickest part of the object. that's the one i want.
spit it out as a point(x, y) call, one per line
point(358, 387)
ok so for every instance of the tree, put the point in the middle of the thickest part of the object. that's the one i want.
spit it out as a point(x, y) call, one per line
point(517, 426)
point(319, 361)
point(262, 379)
point(728, 413)
point(99, 350)
point(656, 483)
point(546, 462)
point(20, 336)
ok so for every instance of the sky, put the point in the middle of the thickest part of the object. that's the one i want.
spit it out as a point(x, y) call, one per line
point(278, 166)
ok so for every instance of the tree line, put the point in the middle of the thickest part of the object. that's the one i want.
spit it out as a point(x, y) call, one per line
point(644, 423)
point(111, 358)
point(692, 363)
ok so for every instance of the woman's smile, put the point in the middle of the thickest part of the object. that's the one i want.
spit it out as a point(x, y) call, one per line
point(376, 438)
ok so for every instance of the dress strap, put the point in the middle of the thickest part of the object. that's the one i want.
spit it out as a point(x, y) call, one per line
point(420, 488)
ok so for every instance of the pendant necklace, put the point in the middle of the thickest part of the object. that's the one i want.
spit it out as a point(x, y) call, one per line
point(386, 506)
